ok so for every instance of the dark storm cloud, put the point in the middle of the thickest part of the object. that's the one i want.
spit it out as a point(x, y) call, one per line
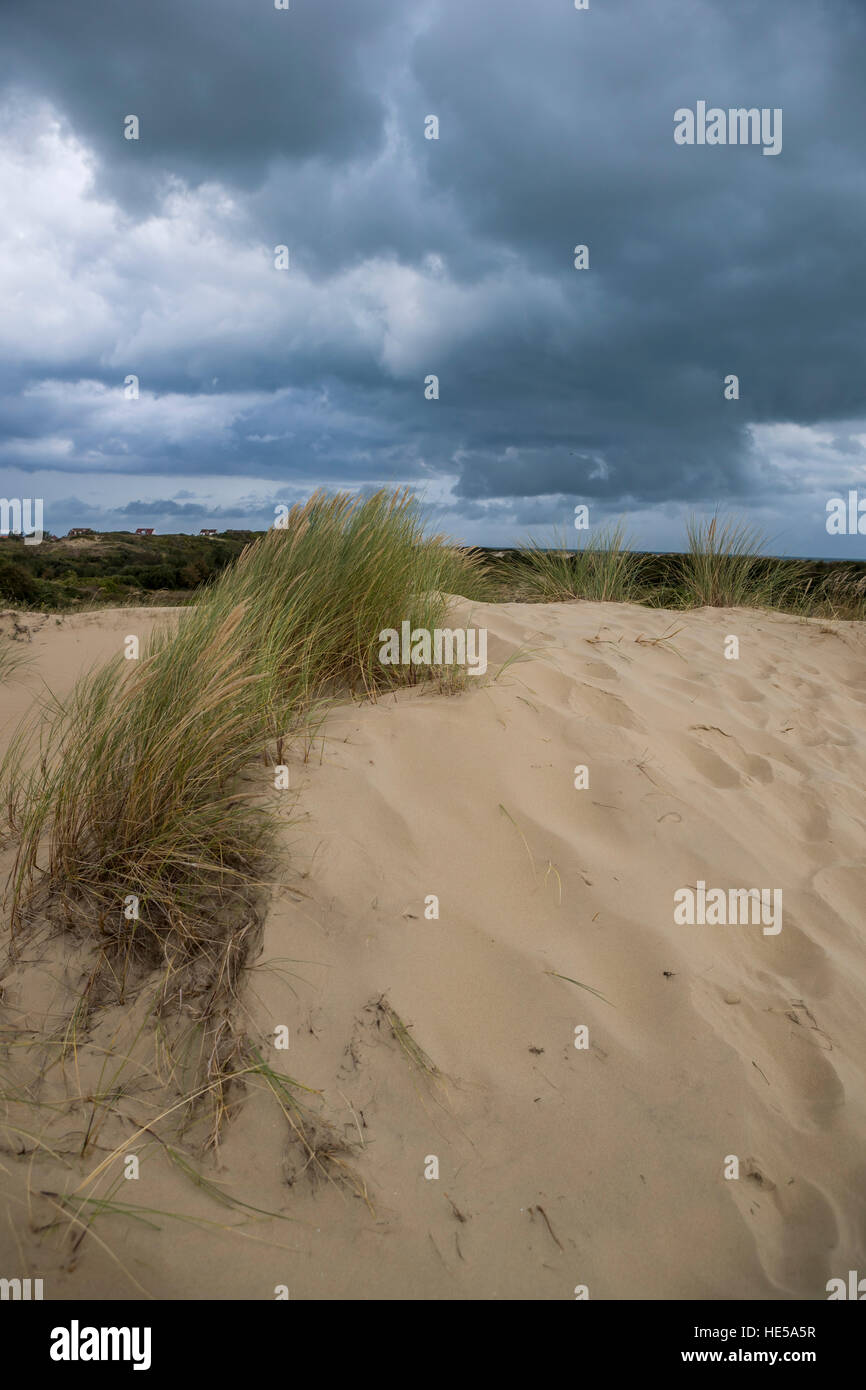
point(556, 128)
point(711, 260)
point(220, 86)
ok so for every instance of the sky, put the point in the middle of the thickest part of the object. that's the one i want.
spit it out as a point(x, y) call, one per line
point(412, 257)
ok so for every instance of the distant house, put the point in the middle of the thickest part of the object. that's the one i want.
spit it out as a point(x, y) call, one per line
point(206, 532)
point(144, 530)
point(79, 531)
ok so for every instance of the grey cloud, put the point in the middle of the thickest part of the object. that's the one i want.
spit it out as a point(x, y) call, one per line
point(556, 129)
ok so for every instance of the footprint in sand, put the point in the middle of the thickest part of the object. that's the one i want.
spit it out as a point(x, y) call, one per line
point(759, 769)
point(601, 704)
point(713, 768)
point(787, 1058)
point(727, 748)
point(802, 1073)
point(797, 957)
point(743, 689)
point(801, 812)
point(600, 670)
point(793, 1225)
point(841, 888)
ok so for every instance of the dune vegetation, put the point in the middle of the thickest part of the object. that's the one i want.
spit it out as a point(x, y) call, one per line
point(726, 566)
point(151, 782)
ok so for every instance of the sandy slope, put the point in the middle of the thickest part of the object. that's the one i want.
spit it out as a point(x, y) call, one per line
point(558, 1166)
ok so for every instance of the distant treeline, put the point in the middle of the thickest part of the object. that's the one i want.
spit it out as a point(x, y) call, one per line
point(112, 567)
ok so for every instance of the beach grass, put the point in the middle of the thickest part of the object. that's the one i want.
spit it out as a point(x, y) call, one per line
point(602, 569)
point(143, 805)
point(726, 565)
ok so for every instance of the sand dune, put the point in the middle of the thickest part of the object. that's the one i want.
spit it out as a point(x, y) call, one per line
point(601, 1166)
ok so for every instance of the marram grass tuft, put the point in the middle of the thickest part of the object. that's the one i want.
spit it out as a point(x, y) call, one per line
point(151, 781)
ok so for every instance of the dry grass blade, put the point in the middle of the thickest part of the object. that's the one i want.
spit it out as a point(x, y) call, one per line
point(580, 985)
point(401, 1034)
